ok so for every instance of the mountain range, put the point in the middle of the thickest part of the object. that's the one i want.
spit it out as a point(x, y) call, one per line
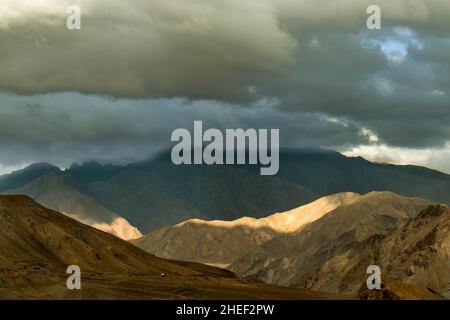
point(64, 193)
point(334, 252)
point(38, 244)
point(325, 245)
point(153, 194)
point(314, 227)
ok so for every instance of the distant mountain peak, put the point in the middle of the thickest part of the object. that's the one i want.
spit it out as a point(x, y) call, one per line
point(38, 166)
point(74, 165)
point(23, 176)
point(90, 171)
point(91, 163)
point(62, 192)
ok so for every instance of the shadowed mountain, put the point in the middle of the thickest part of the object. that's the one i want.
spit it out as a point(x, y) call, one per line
point(140, 192)
point(38, 244)
point(327, 172)
point(21, 177)
point(62, 192)
point(91, 171)
point(157, 193)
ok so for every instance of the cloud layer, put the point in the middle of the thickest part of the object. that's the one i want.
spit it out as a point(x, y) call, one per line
point(198, 49)
point(309, 67)
point(67, 127)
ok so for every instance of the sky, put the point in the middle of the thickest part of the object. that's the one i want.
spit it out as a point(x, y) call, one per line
point(138, 69)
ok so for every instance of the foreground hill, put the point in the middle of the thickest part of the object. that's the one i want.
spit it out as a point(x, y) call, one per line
point(392, 289)
point(220, 243)
point(37, 244)
point(63, 193)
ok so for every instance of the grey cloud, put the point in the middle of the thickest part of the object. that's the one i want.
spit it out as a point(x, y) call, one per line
point(198, 49)
point(61, 128)
point(405, 103)
point(315, 59)
point(153, 48)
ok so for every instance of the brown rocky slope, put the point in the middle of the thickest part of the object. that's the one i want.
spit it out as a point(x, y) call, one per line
point(37, 244)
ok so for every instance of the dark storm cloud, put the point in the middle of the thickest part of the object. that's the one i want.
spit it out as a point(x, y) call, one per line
point(403, 99)
point(62, 128)
point(309, 67)
point(196, 49)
